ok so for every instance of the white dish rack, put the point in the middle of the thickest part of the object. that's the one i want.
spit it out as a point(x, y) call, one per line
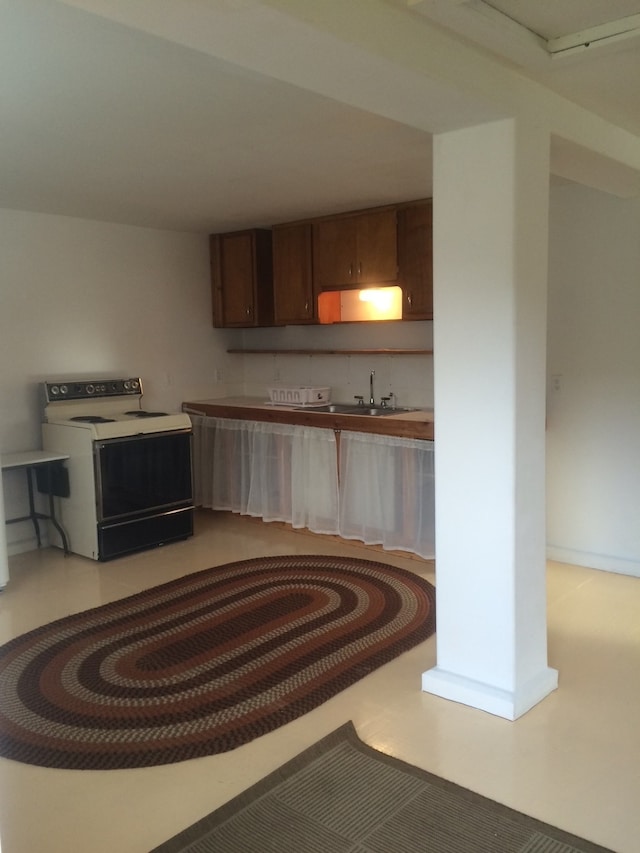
point(300, 395)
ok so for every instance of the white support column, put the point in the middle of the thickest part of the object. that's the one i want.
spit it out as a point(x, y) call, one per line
point(490, 278)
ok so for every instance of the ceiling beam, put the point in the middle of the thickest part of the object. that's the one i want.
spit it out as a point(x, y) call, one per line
point(482, 22)
point(600, 36)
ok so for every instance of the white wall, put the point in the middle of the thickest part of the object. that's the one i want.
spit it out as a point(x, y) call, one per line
point(83, 299)
point(593, 434)
point(79, 297)
point(593, 421)
point(409, 377)
point(90, 299)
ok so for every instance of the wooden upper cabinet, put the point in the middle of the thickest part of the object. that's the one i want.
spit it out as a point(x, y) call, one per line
point(415, 260)
point(334, 248)
point(242, 278)
point(377, 244)
point(355, 250)
point(292, 280)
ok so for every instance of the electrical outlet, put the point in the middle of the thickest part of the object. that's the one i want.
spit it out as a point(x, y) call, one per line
point(556, 381)
point(277, 375)
point(218, 374)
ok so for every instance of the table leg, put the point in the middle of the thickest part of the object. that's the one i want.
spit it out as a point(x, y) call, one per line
point(32, 509)
point(54, 520)
point(52, 512)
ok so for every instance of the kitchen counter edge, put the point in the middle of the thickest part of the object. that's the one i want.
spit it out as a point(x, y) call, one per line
point(404, 425)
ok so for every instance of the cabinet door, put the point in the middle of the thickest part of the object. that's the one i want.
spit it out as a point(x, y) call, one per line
point(292, 281)
point(237, 264)
point(415, 258)
point(242, 278)
point(351, 251)
point(377, 248)
point(334, 253)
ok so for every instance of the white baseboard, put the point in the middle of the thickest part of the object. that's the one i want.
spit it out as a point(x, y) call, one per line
point(603, 562)
point(27, 543)
point(485, 697)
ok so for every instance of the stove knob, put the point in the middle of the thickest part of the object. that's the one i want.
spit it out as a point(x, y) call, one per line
point(63, 389)
point(134, 384)
point(90, 389)
point(54, 390)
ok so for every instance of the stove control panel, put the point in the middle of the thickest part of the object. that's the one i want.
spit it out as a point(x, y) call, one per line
point(91, 389)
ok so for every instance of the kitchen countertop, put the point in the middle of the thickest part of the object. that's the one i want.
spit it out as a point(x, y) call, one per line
point(417, 424)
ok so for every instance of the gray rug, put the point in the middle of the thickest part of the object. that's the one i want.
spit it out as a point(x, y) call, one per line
point(342, 796)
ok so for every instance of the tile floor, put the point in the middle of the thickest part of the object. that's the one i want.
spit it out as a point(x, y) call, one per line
point(573, 760)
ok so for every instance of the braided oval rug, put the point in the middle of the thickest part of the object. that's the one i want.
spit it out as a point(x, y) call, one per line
point(205, 663)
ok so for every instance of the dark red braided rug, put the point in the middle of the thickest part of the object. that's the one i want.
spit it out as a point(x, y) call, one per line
point(204, 663)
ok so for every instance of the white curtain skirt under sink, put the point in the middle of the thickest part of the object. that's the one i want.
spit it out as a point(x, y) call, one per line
point(377, 489)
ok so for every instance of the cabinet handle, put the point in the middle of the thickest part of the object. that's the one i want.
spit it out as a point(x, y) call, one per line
point(306, 307)
point(409, 299)
point(359, 268)
point(350, 270)
point(248, 312)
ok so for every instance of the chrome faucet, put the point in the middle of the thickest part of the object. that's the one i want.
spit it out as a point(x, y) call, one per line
point(372, 401)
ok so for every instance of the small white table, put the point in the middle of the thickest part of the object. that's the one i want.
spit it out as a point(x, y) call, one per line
point(31, 460)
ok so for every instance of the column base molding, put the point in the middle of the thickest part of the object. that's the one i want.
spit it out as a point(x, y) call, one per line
point(485, 697)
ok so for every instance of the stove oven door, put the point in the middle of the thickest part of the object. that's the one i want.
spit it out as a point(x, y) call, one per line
point(144, 491)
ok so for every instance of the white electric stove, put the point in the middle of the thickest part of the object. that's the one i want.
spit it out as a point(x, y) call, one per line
point(130, 478)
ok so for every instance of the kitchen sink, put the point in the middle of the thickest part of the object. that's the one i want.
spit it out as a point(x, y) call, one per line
point(350, 409)
point(333, 408)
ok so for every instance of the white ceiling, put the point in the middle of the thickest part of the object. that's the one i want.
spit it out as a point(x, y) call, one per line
point(106, 122)
point(601, 73)
point(554, 18)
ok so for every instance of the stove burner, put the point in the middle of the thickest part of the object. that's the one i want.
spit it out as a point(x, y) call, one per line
point(92, 419)
point(140, 413)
